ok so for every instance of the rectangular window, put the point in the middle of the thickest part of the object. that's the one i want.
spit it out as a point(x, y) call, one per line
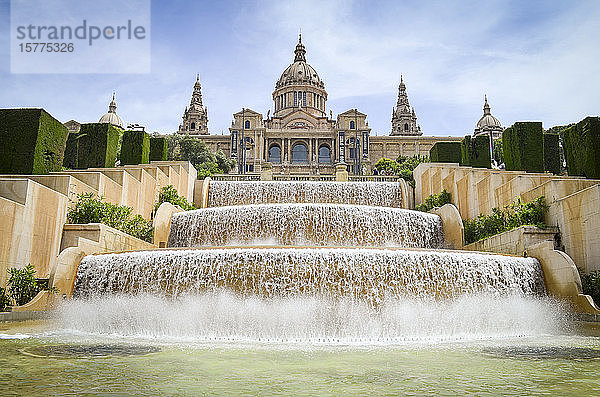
point(295, 99)
point(304, 98)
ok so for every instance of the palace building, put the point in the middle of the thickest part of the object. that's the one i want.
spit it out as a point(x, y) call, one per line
point(301, 136)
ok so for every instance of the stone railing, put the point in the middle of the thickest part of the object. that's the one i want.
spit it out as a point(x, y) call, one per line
point(373, 178)
point(303, 177)
point(317, 178)
point(235, 177)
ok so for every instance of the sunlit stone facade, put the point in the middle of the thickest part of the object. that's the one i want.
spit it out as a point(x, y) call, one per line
point(302, 137)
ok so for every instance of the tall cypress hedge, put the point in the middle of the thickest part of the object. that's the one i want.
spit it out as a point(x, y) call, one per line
point(523, 146)
point(581, 143)
point(158, 149)
point(70, 158)
point(135, 148)
point(33, 142)
point(481, 157)
point(445, 152)
point(465, 151)
point(551, 154)
point(95, 146)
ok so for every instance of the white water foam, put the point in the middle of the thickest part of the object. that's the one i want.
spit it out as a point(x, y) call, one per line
point(226, 317)
point(227, 193)
point(306, 224)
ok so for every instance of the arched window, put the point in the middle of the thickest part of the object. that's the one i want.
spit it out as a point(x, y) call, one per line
point(352, 126)
point(324, 154)
point(295, 99)
point(275, 154)
point(406, 127)
point(299, 153)
point(247, 124)
point(304, 98)
point(193, 126)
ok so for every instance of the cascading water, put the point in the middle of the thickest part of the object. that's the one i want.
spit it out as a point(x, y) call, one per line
point(306, 224)
point(384, 194)
point(372, 275)
point(332, 291)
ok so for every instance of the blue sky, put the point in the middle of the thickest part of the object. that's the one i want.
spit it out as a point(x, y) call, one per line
point(536, 60)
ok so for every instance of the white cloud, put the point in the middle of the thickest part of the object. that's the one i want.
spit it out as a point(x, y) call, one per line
point(535, 61)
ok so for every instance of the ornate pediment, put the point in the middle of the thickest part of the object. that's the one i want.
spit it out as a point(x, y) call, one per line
point(299, 120)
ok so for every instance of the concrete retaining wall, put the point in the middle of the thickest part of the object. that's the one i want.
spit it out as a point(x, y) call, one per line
point(513, 242)
point(574, 203)
point(33, 207)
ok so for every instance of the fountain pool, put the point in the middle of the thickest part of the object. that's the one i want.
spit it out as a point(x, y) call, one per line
point(304, 288)
point(128, 345)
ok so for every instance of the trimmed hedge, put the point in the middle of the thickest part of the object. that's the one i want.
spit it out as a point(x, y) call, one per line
point(33, 142)
point(95, 146)
point(466, 151)
point(445, 152)
point(551, 154)
point(581, 143)
point(481, 157)
point(523, 145)
point(70, 159)
point(158, 149)
point(135, 148)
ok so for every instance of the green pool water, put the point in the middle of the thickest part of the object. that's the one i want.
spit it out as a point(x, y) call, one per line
point(563, 364)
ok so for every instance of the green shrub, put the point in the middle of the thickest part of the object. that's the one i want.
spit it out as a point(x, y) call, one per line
point(406, 166)
point(435, 200)
point(523, 145)
point(135, 148)
point(387, 165)
point(33, 142)
point(445, 152)
point(4, 300)
point(170, 195)
point(91, 209)
point(95, 146)
point(207, 169)
point(466, 151)
point(223, 163)
point(481, 152)
point(22, 285)
point(590, 284)
point(512, 216)
point(551, 154)
point(158, 149)
point(581, 143)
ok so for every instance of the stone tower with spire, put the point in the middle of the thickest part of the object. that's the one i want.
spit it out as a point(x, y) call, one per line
point(195, 117)
point(404, 119)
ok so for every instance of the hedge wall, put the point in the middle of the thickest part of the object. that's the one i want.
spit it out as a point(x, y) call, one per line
point(581, 143)
point(551, 154)
point(445, 152)
point(466, 151)
point(481, 157)
point(33, 142)
point(523, 145)
point(69, 160)
point(98, 144)
point(135, 148)
point(158, 149)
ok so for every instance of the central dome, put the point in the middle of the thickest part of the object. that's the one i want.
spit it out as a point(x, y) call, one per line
point(299, 72)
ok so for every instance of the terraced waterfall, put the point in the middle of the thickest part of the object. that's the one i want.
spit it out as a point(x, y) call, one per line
point(297, 250)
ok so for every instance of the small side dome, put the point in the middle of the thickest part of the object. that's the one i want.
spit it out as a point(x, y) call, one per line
point(488, 123)
point(112, 117)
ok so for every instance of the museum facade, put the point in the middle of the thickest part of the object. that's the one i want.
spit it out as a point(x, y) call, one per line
point(301, 136)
